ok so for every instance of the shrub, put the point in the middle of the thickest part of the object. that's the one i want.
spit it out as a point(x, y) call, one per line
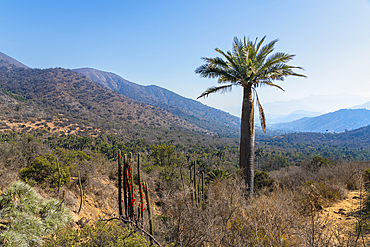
point(218, 173)
point(113, 233)
point(46, 168)
point(262, 179)
point(29, 216)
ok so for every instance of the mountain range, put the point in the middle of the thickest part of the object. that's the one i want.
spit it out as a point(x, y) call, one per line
point(59, 92)
point(338, 121)
point(65, 97)
point(27, 94)
point(275, 118)
point(192, 112)
point(205, 117)
point(314, 103)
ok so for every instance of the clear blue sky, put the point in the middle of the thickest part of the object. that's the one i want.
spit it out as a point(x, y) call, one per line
point(161, 42)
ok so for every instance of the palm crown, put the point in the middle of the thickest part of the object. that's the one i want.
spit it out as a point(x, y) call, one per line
point(249, 65)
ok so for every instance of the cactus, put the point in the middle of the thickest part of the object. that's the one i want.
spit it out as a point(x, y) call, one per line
point(81, 193)
point(129, 191)
point(130, 198)
point(125, 184)
point(191, 183)
point(195, 182)
point(60, 178)
point(199, 195)
point(120, 184)
point(149, 209)
point(141, 208)
point(203, 197)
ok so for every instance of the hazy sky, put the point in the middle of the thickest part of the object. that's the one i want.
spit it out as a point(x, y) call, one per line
point(162, 42)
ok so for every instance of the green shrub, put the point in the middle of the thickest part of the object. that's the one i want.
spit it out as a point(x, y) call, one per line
point(113, 233)
point(55, 169)
point(262, 179)
point(29, 216)
point(217, 174)
point(46, 169)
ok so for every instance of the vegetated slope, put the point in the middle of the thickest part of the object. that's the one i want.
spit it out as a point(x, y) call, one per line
point(352, 139)
point(338, 121)
point(62, 93)
point(9, 62)
point(190, 110)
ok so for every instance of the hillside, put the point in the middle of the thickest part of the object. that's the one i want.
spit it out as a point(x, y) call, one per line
point(338, 121)
point(352, 139)
point(203, 116)
point(9, 62)
point(66, 95)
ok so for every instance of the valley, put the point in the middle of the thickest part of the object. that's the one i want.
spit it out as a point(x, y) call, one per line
point(61, 132)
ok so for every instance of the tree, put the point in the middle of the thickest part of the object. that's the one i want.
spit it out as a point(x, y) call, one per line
point(249, 65)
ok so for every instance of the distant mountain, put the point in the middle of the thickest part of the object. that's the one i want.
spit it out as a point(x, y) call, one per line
point(338, 121)
point(314, 103)
point(362, 106)
point(203, 116)
point(273, 119)
point(6, 61)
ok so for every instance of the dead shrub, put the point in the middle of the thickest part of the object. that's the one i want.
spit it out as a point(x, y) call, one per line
point(226, 218)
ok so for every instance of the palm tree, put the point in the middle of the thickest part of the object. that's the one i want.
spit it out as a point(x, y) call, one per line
point(249, 65)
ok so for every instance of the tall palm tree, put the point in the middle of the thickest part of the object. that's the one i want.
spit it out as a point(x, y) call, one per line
point(249, 65)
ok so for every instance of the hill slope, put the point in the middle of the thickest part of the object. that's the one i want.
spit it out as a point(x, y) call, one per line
point(9, 62)
point(190, 110)
point(64, 94)
point(338, 121)
point(351, 139)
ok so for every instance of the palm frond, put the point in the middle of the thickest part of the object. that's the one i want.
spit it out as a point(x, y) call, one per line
point(261, 112)
point(283, 70)
point(266, 50)
point(229, 58)
point(269, 83)
point(277, 58)
point(249, 63)
point(259, 43)
point(210, 70)
point(221, 89)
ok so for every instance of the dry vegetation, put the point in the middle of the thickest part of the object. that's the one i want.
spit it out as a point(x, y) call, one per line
point(290, 209)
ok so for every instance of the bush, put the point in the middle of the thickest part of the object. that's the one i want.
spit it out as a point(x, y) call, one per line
point(29, 216)
point(112, 234)
point(46, 168)
point(262, 179)
point(218, 173)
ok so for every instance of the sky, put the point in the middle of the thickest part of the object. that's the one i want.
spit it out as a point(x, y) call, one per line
point(162, 43)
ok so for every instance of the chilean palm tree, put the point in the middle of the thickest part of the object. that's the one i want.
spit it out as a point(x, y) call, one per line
point(249, 65)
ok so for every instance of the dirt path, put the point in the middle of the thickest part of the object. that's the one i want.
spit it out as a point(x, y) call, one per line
point(346, 213)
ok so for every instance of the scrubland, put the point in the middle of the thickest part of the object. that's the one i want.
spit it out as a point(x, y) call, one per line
point(289, 206)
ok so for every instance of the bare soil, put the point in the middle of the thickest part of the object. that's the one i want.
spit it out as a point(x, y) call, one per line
point(346, 213)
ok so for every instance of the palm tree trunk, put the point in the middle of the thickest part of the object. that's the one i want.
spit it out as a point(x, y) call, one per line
point(246, 158)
